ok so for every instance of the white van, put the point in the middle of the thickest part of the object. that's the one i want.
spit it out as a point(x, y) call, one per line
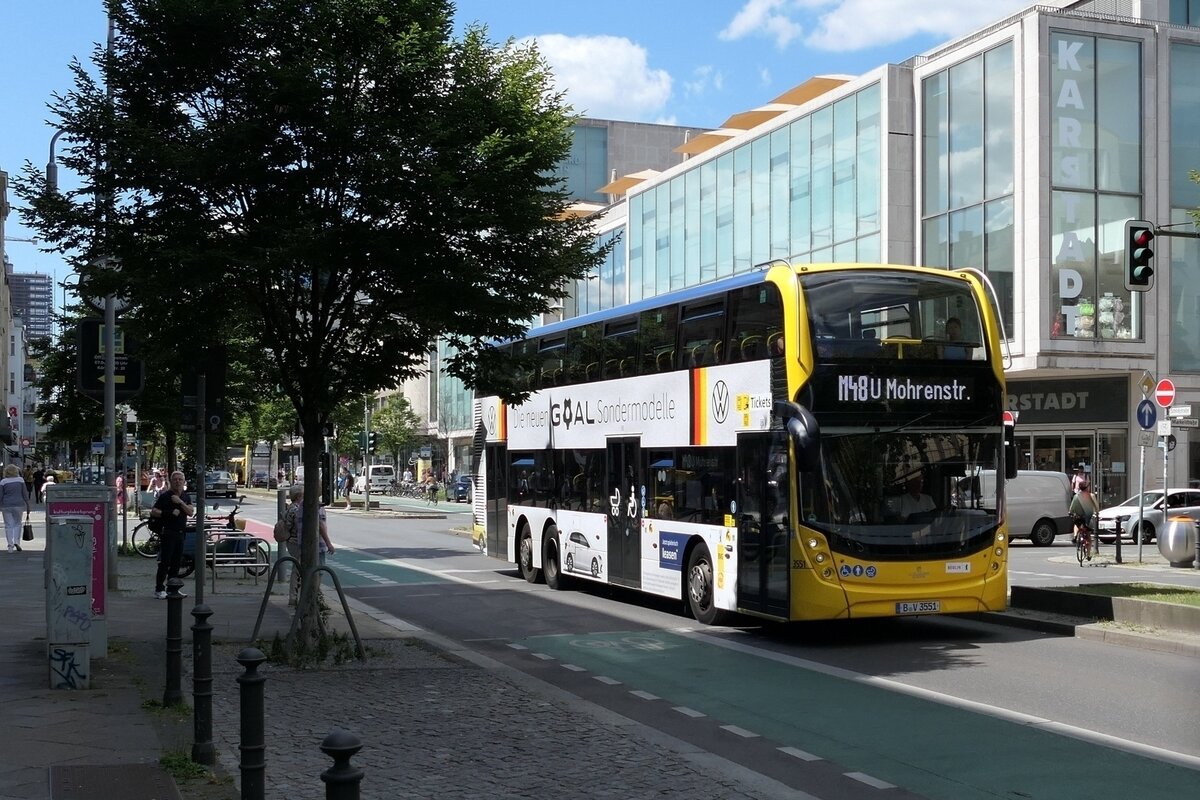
point(1035, 504)
point(380, 475)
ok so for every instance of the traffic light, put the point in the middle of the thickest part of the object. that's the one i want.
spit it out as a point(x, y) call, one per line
point(372, 442)
point(362, 441)
point(1139, 258)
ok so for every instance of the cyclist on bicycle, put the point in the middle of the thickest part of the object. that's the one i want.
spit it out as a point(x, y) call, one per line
point(1083, 509)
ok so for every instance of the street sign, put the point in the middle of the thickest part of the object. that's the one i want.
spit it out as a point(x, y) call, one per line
point(1185, 422)
point(1164, 392)
point(1179, 411)
point(26, 442)
point(1146, 383)
point(1164, 427)
point(127, 372)
point(1146, 414)
point(98, 448)
point(1146, 438)
point(1170, 443)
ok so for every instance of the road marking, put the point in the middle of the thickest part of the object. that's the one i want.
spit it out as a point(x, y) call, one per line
point(869, 781)
point(745, 734)
point(516, 646)
point(607, 680)
point(543, 656)
point(803, 755)
point(689, 712)
point(644, 695)
point(1018, 717)
point(574, 668)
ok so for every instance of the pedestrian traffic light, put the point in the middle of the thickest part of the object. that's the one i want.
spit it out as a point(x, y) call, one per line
point(1139, 258)
point(372, 442)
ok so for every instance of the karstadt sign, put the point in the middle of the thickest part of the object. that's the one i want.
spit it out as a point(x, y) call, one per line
point(1068, 401)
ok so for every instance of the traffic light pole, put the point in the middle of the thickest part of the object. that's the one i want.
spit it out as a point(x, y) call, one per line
point(366, 459)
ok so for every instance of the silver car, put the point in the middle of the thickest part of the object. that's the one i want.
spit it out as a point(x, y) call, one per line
point(1179, 502)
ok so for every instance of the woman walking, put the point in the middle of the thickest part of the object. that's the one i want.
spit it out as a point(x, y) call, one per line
point(14, 498)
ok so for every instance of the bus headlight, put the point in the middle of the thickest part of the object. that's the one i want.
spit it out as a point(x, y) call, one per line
point(999, 537)
point(813, 544)
point(828, 573)
point(1000, 551)
point(820, 559)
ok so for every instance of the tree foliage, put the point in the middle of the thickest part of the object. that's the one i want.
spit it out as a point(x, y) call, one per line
point(399, 428)
point(323, 177)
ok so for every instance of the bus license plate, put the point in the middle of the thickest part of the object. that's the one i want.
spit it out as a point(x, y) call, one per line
point(919, 607)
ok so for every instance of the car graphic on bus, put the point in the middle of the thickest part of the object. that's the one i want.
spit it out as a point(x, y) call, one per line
point(579, 555)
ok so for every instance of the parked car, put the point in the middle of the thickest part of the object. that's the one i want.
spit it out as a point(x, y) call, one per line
point(1179, 503)
point(262, 480)
point(460, 489)
point(381, 476)
point(219, 484)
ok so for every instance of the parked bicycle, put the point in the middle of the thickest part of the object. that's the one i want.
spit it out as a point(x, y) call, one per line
point(146, 544)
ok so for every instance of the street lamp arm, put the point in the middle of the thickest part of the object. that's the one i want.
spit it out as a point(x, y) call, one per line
point(52, 165)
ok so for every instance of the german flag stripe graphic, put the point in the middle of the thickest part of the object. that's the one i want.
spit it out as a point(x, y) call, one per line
point(699, 417)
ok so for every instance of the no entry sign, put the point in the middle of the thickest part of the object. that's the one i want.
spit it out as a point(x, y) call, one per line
point(1164, 392)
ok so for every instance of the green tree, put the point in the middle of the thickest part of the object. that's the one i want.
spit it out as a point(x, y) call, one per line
point(328, 177)
point(399, 428)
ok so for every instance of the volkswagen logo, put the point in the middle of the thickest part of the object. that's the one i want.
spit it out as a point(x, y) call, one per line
point(720, 401)
point(491, 421)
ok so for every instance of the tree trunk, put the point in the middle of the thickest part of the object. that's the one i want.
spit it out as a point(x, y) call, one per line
point(308, 631)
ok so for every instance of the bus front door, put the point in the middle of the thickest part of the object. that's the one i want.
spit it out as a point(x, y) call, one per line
point(495, 519)
point(624, 506)
point(764, 542)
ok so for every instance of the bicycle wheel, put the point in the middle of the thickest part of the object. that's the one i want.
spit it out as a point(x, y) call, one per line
point(262, 560)
point(144, 541)
point(1080, 546)
point(1088, 546)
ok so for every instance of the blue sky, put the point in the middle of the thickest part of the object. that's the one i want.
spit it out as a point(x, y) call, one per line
point(683, 62)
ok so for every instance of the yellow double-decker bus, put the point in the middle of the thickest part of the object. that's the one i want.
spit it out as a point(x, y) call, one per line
point(801, 442)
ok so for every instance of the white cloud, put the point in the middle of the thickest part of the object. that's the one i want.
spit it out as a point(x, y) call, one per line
point(605, 76)
point(703, 78)
point(766, 18)
point(860, 24)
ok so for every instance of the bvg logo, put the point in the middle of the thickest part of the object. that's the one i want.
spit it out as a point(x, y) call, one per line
point(720, 402)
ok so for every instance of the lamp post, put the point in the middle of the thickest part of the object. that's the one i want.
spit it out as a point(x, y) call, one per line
point(109, 345)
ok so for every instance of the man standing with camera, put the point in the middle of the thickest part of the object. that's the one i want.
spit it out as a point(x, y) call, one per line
point(173, 507)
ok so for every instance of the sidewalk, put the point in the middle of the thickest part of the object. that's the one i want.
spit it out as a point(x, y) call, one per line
point(435, 720)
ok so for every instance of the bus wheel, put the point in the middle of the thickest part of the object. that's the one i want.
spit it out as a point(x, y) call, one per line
point(1043, 533)
point(525, 555)
point(550, 564)
point(700, 588)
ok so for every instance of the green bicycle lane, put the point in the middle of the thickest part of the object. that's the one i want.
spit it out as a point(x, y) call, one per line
point(357, 569)
point(941, 751)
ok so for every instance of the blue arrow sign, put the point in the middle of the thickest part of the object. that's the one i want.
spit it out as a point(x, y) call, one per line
point(1146, 414)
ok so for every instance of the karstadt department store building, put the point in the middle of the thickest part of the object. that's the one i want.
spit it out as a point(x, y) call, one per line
point(1021, 149)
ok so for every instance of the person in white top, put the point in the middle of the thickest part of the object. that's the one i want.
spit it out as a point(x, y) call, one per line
point(14, 499)
point(914, 501)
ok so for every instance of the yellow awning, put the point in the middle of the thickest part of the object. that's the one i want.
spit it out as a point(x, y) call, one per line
point(626, 182)
point(813, 87)
point(703, 141)
point(745, 120)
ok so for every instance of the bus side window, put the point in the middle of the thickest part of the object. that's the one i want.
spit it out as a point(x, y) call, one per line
point(754, 313)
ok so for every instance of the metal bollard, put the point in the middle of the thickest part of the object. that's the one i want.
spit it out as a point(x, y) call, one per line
point(203, 751)
point(253, 747)
point(341, 780)
point(173, 693)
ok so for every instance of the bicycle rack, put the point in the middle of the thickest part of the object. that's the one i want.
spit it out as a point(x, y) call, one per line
point(306, 588)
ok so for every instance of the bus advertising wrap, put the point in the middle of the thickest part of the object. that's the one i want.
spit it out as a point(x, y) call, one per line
point(705, 406)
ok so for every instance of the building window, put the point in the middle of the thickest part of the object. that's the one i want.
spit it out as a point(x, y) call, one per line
point(1185, 197)
point(1185, 12)
point(1096, 185)
point(967, 181)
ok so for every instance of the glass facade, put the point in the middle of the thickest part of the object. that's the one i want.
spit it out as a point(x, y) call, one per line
point(1185, 196)
point(586, 166)
point(808, 191)
point(1095, 185)
point(1185, 12)
point(967, 187)
point(605, 288)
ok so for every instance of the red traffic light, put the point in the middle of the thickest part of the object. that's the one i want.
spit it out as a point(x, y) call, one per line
point(1141, 237)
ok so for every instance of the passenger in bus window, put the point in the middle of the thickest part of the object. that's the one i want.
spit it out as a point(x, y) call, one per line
point(954, 334)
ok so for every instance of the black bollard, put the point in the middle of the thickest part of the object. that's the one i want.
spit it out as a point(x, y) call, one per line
point(203, 751)
point(253, 765)
point(173, 693)
point(341, 780)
